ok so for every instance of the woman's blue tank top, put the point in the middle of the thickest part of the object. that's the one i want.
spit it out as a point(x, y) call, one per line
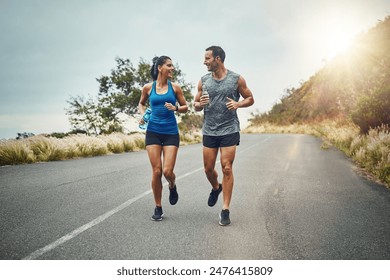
point(162, 120)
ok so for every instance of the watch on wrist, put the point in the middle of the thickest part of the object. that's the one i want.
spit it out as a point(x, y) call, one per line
point(177, 108)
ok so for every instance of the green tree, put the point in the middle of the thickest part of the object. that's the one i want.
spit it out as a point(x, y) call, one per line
point(84, 115)
point(118, 93)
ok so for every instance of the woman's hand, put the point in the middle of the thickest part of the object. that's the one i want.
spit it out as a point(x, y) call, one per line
point(141, 121)
point(170, 106)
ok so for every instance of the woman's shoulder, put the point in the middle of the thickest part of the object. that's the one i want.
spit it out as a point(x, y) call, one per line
point(175, 86)
point(147, 87)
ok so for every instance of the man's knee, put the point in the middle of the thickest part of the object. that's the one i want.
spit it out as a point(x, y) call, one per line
point(227, 169)
point(209, 170)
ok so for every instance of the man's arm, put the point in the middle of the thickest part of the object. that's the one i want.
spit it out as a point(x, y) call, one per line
point(245, 92)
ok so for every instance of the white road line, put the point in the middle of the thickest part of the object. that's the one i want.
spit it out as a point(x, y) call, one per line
point(83, 228)
point(36, 254)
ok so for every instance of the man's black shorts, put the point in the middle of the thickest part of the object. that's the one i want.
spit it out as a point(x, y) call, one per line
point(152, 138)
point(221, 141)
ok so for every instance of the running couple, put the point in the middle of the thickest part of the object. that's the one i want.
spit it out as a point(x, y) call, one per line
point(221, 127)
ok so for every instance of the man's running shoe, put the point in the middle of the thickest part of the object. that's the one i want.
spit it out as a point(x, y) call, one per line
point(224, 219)
point(173, 195)
point(158, 214)
point(213, 198)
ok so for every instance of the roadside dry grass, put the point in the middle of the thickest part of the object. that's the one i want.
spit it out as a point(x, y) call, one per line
point(370, 152)
point(41, 148)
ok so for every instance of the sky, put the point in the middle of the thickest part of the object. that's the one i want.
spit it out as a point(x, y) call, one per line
point(51, 50)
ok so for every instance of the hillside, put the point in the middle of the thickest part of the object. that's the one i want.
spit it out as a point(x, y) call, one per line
point(355, 85)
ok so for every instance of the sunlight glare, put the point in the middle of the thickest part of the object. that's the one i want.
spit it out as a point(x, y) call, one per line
point(338, 38)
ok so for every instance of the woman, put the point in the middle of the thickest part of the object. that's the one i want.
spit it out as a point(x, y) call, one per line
point(162, 133)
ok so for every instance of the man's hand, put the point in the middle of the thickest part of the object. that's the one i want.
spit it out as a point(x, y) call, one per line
point(204, 100)
point(231, 104)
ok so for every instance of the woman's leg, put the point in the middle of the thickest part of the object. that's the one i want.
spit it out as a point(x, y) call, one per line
point(154, 152)
point(169, 161)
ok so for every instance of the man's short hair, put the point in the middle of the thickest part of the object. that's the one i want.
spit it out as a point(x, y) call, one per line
point(217, 51)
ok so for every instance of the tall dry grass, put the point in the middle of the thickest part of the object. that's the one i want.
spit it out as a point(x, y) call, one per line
point(40, 148)
point(371, 151)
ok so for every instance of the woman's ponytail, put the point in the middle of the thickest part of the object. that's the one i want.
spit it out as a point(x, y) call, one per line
point(157, 61)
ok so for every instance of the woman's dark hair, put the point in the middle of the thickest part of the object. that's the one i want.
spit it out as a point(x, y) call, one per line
point(157, 61)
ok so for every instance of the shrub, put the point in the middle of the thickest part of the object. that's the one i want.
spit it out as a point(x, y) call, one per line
point(373, 110)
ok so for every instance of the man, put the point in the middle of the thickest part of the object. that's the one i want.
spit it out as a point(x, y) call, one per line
point(218, 95)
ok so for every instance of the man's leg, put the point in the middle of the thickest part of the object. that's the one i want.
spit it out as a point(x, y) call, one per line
point(227, 157)
point(209, 159)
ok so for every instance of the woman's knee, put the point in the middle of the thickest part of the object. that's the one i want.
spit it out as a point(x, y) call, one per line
point(157, 172)
point(168, 173)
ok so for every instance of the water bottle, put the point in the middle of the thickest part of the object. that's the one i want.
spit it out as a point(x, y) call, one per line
point(146, 118)
point(205, 92)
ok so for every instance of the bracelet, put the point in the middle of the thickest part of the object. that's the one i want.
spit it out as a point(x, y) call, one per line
point(177, 108)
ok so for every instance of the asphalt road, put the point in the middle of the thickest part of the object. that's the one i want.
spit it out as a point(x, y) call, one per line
point(291, 200)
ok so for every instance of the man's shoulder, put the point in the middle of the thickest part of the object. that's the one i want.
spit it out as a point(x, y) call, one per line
point(206, 76)
point(230, 72)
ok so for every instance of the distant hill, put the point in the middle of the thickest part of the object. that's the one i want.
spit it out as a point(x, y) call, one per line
point(355, 85)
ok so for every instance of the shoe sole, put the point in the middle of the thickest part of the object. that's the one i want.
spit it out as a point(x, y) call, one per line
point(221, 223)
point(158, 219)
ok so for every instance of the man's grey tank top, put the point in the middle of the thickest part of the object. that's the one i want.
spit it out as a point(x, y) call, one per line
point(218, 119)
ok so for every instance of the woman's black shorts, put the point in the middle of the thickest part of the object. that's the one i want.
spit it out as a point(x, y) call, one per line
point(153, 138)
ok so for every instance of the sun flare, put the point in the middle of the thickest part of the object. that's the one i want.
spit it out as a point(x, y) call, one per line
point(337, 43)
point(338, 36)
